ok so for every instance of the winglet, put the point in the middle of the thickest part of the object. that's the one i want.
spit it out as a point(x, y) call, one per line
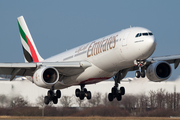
point(29, 49)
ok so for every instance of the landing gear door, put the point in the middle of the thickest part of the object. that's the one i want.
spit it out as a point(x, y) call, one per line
point(124, 40)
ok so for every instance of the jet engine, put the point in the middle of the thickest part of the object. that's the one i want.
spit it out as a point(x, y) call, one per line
point(46, 76)
point(158, 71)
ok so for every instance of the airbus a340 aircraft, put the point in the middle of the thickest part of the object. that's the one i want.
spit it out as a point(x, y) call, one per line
point(110, 56)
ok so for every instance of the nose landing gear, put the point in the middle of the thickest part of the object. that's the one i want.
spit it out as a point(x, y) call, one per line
point(141, 72)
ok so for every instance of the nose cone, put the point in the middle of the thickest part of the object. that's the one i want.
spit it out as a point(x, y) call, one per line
point(149, 46)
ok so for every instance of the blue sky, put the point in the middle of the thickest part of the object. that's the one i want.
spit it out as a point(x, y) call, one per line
point(59, 25)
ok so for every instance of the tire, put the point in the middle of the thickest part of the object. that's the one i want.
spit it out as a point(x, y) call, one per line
point(114, 90)
point(58, 94)
point(55, 100)
point(88, 95)
point(85, 90)
point(77, 92)
point(110, 97)
point(50, 94)
point(118, 97)
point(122, 90)
point(143, 74)
point(138, 74)
point(82, 95)
point(46, 100)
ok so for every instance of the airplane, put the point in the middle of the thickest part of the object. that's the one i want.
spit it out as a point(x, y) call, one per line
point(111, 56)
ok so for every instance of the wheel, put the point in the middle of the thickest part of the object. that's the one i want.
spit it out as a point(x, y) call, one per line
point(85, 90)
point(114, 90)
point(46, 100)
point(55, 100)
point(82, 95)
point(88, 95)
point(143, 74)
point(122, 90)
point(110, 97)
point(77, 92)
point(50, 94)
point(138, 74)
point(58, 93)
point(118, 97)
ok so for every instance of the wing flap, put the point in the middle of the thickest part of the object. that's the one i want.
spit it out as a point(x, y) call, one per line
point(17, 65)
point(69, 64)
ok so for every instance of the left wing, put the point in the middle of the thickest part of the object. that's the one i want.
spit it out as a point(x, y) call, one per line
point(170, 59)
point(157, 68)
point(28, 69)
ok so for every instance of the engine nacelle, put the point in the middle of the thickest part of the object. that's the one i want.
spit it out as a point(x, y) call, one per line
point(46, 76)
point(159, 71)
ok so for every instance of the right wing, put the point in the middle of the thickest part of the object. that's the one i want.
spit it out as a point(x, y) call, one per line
point(28, 69)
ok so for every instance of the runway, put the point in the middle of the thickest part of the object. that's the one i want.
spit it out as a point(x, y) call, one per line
point(86, 118)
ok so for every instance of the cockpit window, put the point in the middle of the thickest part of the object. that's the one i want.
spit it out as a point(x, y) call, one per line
point(137, 35)
point(150, 33)
point(144, 34)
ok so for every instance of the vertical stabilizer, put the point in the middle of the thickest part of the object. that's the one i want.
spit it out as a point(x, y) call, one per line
point(29, 49)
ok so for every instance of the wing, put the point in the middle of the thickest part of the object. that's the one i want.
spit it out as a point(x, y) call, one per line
point(28, 69)
point(169, 58)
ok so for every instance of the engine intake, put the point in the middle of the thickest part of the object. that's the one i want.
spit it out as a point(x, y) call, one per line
point(159, 71)
point(46, 76)
point(50, 75)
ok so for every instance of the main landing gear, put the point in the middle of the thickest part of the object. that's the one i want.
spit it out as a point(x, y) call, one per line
point(141, 72)
point(52, 96)
point(83, 93)
point(117, 92)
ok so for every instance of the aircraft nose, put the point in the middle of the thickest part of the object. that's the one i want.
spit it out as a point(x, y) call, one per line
point(151, 43)
point(149, 46)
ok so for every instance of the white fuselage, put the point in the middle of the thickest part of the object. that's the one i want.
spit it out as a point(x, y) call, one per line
point(107, 55)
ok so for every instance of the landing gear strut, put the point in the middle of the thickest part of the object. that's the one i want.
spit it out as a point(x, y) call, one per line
point(83, 93)
point(52, 96)
point(141, 72)
point(117, 92)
